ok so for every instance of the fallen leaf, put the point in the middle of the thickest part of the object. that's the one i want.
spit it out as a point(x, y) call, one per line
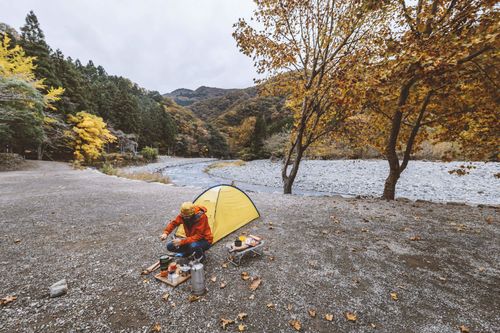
point(193, 298)
point(324, 232)
point(255, 283)
point(271, 305)
point(251, 296)
point(351, 316)
point(271, 258)
point(312, 313)
point(442, 278)
point(334, 219)
point(489, 219)
point(8, 299)
point(241, 327)
point(245, 276)
point(225, 322)
point(165, 296)
point(415, 238)
point(464, 329)
point(17, 241)
point(295, 324)
point(242, 315)
point(364, 230)
point(173, 304)
point(213, 278)
point(223, 285)
point(289, 307)
point(156, 328)
point(329, 316)
point(373, 325)
point(270, 228)
point(145, 280)
point(394, 296)
point(481, 269)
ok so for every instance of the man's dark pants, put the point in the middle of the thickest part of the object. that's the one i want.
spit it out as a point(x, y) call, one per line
point(185, 250)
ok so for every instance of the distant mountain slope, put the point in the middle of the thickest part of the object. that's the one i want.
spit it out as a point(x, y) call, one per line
point(186, 97)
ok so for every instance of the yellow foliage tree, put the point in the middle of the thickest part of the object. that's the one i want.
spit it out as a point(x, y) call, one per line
point(90, 136)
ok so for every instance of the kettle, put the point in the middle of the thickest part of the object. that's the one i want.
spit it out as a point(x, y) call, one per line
point(198, 279)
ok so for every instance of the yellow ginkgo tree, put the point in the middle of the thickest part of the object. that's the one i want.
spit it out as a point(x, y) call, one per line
point(22, 101)
point(90, 135)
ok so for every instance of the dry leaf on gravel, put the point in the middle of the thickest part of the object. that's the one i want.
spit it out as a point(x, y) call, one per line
point(223, 285)
point(225, 322)
point(242, 315)
point(213, 278)
point(394, 296)
point(156, 328)
point(350, 316)
point(251, 296)
point(256, 281)
point(329, 316)
point(324, 232)
point(271, 305)
point(17, 241)
point(295, 324)
point(241, 327)
point(489, 219)
point(165, 296)
point(312, 313)
point(289, 307)
point(334, 219)
point(464, 329)
point(224, 265)
point(415, 238)
point(8, 299)
point(245, 276)
point(193, 298)
point(373, 325)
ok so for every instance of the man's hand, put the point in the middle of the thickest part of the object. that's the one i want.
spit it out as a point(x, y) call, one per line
point(176, 242)
point(163, 236)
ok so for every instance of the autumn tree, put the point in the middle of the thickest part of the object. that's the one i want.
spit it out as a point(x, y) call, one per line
point(310, 51)
point(90, 135)
point(22, 101)
point(431, 75)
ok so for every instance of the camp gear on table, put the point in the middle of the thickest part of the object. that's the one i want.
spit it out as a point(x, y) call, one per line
point(228, 209)
point(198, 279)
point(253, 245)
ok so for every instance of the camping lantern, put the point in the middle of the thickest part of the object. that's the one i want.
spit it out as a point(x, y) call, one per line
point(198, 279)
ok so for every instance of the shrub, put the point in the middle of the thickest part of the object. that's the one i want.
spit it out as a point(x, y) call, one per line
point(149, 153)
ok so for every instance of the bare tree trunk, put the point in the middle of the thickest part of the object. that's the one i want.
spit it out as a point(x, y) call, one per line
point(39, 151)
point(391, 154)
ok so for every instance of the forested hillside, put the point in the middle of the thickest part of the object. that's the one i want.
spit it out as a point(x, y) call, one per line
point(132, 113)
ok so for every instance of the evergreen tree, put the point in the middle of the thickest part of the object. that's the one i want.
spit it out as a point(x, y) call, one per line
point(33, 43)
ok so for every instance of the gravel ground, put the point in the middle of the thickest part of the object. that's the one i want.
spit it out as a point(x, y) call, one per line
point(421, 180)
point(330, 254)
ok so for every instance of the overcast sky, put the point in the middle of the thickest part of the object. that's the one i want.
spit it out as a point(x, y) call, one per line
point(160, 44)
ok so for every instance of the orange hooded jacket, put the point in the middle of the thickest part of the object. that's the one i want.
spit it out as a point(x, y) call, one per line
point(195, 231)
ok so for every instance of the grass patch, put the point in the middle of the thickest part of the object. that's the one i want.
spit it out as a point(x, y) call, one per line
point(144, 176)
point(225, 164)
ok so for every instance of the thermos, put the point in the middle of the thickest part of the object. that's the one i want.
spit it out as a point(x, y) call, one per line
point(198, 279)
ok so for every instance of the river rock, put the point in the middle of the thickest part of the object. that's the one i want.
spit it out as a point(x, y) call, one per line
point(59, 288)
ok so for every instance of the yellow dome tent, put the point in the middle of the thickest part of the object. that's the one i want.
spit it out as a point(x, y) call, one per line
point(228, 209)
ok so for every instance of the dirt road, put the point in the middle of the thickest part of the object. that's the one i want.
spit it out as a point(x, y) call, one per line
point(332, 255)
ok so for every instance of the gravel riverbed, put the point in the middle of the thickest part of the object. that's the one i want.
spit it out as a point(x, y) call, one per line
point(421, 180)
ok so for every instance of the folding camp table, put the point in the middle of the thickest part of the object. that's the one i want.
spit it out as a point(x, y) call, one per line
point(235, 257)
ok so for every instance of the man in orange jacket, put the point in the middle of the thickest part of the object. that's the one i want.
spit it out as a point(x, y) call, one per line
point(198, 234)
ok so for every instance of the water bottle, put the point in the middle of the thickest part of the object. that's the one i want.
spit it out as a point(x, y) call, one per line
point(198, 279)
